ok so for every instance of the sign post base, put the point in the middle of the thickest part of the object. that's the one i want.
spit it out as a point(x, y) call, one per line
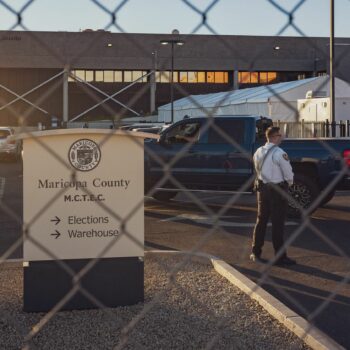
point(112, 281)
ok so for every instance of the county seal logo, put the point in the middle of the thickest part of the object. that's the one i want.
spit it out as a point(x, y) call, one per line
point(84, 155)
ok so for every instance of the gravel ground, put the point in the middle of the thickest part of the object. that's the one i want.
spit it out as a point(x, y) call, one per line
point(196, 309)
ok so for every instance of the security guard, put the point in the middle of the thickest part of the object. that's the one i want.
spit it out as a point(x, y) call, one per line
point(274, 175)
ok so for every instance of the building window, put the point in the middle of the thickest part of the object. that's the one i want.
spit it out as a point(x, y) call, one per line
point(183, 77)
point(99, 75)
point(132, 75)
point(118, 76)
point(263, 78)
point(271, 76)
point(163, 77)
point(210, 77)
point(220, 77)
point(244, 77)
point(108, 76)
point(256, 77)
point(137, 74)
point(128, 76)
point(192, 77)
point(80, 74)
point(200, 77)
point(175, 77)
point(89, 75)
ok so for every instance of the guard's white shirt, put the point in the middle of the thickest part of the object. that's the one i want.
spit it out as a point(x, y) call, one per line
point(276, 167)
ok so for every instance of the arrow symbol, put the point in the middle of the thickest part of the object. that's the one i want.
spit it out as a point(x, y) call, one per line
point(57, 234)
point(56, 220)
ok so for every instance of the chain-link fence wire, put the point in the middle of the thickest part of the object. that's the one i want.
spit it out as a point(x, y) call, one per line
point(100, 98)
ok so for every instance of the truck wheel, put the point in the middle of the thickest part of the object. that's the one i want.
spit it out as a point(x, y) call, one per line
point(164, 196)
point(304, 191)
point(330, 194)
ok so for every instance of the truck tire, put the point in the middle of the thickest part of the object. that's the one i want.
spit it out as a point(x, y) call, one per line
point(304, 191)
point(164, 196)
point(330, 194)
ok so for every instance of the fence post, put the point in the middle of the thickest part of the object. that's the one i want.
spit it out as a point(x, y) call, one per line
point(333, 125)
point(327, 128)
point(313, 130)
point(285, 129)
point(348, 128)
point(302, 129)
point(341, 128)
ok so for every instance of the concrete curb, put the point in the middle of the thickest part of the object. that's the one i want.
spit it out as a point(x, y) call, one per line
point(311, 335)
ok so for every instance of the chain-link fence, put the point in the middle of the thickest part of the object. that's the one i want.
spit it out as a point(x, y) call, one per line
point(186, 171)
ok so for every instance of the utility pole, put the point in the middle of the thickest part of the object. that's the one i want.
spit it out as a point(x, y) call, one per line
point(331, 65)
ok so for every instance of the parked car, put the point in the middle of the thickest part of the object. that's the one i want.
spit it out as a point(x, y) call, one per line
point(219, 158)
point(9, 148)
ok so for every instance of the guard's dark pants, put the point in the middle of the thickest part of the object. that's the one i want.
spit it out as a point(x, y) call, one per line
point(271, 204)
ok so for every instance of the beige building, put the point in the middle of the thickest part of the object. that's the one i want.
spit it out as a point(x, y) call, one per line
point(93, 75)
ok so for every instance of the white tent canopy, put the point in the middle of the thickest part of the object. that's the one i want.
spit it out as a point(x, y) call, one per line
point(277, 101)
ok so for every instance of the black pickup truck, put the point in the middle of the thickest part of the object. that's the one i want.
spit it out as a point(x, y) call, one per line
point(215, 154)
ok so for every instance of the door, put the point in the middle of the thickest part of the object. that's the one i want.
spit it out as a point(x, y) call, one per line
point(229, 156)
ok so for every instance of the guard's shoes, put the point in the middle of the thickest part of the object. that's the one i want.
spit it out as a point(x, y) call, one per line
point(257, 258)
point(285, 261)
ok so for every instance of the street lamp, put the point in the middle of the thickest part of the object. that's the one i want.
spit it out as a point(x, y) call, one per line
point(172, 42)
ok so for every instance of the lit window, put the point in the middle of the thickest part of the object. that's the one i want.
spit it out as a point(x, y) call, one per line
point(271, 76)
point(244, 77)
point(263, 77)
point(225, 77)
point(158, 77)
point(137, 74)
point(89, 75)
point(192, 77)
point(118, 76)
point(201, 77)
point(144, 79)
point(210, 77)
point(175, 77)
point(99, 75)
point(80, 74)
point(165, 77)
point(183, 77)
point(128, 76)
point(219, 77)
point(70, 76)
point(254, 77)
point(108, 76)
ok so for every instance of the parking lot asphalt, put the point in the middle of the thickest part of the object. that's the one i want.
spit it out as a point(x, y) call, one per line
point(317, 288)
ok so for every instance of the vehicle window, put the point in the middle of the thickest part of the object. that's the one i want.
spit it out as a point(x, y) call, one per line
point(182, 133)
point(228, 130)
point(4, 134)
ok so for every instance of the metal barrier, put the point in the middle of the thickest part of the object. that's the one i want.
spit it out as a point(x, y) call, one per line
point(303, 129)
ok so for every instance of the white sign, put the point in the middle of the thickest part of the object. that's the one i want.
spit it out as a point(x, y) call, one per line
point(83, 195)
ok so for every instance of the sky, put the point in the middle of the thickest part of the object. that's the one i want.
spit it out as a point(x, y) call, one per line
point(225, 17)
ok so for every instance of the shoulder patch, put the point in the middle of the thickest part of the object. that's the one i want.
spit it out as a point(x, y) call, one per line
point(285, 156)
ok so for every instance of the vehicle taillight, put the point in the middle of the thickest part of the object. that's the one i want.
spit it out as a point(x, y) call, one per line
point(346, 156)
point(11, 142)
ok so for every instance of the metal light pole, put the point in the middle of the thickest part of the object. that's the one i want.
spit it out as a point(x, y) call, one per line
point(172, 42)
point(331, 64)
